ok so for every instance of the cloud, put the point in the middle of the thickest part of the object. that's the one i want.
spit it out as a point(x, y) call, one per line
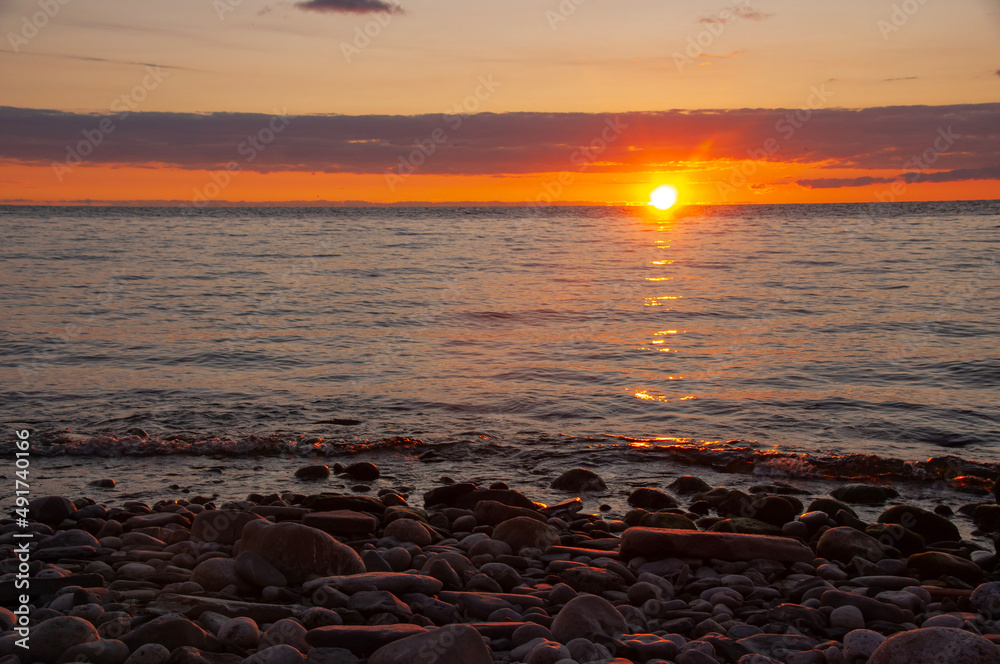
point(955, 175)
point(350, 6)
point(731, 14)
point(885, 138)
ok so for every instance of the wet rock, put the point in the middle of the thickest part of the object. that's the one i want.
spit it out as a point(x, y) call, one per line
point(505, 496)
point(51, 509)
point(300, 552)
point(455, 643)
point(864, 494)
point(341, 522)
point(149, 653)
point(317, 472)
point(686, 484)
point(655, 544)
point(930, 526)
point(987, 518)
point(51, 638)
point(648, 498)
point(936, 565)
point(524, 532)
point(579, 479)
point(735, 503)
point(447, 495)
point(935, 645)
point(588, 617)
point(409, 530)
point(830, 506)
point(364, 471)
point(844, 543)
point(775, 510)
point(986, 599)
point(221, 526)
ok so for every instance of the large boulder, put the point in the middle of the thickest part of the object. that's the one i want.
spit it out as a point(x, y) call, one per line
point(300, 552)
point(455, 643)
point(51, 638)
point(579, 479)
point(936, 645)
point(524, 532)
point(932, 527)
point(588, 617)
point(656, 543)
point(844, 542)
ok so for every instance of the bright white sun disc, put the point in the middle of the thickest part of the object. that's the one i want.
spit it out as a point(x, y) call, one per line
point(663, 197)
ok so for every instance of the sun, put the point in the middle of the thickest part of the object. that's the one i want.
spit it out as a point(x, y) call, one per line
point(663, 197)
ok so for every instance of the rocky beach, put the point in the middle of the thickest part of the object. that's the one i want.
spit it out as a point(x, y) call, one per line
point(472, 573)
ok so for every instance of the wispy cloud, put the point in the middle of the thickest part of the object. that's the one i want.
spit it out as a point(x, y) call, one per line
point(350, 6)
point(734, 13)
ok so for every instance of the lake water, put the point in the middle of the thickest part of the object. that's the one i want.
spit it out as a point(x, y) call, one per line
point(813, 335)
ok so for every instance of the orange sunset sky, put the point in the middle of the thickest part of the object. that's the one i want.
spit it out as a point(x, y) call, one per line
point(561, 101)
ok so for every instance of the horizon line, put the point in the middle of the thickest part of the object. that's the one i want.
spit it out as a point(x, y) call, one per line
point(171, 203)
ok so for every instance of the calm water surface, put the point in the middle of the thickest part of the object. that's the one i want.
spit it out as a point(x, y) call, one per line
point(827, 329)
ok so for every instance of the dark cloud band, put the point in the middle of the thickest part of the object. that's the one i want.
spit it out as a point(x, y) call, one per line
point(875, 138)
